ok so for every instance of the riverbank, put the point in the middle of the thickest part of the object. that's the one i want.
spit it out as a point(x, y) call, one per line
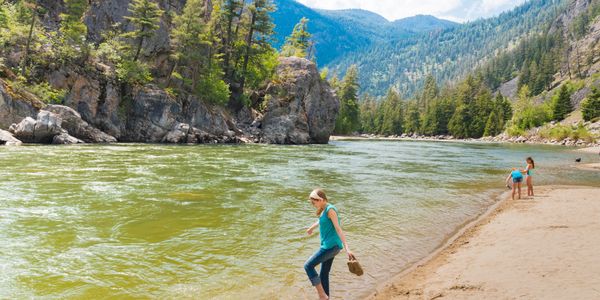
point(537, 248)
point(447, 138)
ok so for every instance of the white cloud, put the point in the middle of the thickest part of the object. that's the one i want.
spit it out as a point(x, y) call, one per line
point(455, 10)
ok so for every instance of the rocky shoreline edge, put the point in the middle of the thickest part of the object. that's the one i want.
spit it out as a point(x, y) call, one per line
point(503, 138)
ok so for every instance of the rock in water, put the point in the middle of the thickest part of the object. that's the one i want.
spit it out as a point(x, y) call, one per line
point(6, 138)
point(77, 127)
point(301, 107)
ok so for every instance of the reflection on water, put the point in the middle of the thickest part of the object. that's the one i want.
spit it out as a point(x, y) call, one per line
point(225, 222)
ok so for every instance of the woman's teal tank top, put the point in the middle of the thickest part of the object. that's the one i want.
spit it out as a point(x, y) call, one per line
point(329, 236)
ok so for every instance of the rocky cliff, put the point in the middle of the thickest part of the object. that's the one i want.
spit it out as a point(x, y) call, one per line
point(299, 108)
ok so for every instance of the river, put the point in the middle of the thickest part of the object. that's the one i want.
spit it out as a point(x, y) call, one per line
point(228, 221)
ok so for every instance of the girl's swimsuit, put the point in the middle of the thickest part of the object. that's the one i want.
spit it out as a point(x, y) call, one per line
point(516, 176)
point(530, 172)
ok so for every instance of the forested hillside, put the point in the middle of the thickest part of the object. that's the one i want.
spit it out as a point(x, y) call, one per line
point(338, 33)
point(553, 71)
point(448, 53)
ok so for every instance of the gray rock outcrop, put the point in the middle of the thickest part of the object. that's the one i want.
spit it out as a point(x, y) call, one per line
point(77, 127)
point(46, 129)
point(301, 108)
point(14, 110)
point(6, 138)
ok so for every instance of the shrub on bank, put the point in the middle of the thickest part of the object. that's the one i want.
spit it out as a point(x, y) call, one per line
point(561, 132)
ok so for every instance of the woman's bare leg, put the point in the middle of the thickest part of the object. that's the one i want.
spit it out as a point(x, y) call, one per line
point(321, 292)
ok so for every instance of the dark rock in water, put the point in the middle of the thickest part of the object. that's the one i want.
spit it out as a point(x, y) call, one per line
point(578, 159)
point(77, 127)
point(301, 107)
point(7, 139)
point(65, 139)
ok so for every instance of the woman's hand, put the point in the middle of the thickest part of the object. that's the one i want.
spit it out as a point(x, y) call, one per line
point(350, 255)
point(310, 230)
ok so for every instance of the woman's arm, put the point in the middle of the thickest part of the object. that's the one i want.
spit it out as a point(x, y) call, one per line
point(312, 227)
point(334, 218)
point(508, 178)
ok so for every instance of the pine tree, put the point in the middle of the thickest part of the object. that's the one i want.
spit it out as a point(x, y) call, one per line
point(73, 30)
point(33, 7)
point(259, 31)
point(348, 119)
point(392, 114)
point(145, 16)
point(430, 92)
point(193, 42)
point(493, 125)
point(412, 121)
point(229, 14)
point(299, 43)
point(561, 105)
point(590, 108)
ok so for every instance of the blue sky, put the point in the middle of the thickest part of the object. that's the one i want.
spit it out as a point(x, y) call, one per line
point(455, 10)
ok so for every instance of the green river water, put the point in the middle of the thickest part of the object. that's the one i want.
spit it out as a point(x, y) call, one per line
point(138, 221)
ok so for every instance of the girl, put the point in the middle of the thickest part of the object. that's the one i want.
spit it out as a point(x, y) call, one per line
point(332, 242)
point(529, 175)
point(517, 178)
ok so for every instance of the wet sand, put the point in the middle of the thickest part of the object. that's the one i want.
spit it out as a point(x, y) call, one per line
point(544, 247)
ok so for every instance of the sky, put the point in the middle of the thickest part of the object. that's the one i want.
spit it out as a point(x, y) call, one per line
point(454, 10)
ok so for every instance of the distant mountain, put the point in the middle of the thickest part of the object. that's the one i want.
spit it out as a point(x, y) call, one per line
point(339, 32)
point(446, 53)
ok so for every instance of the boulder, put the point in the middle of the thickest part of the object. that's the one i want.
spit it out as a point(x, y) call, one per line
point(77, 127)
point(46, 127)
point(6, 138)
point(65, 139)
point(24, 130)
point(301, 107)
point(179, 134)
point(45, 130)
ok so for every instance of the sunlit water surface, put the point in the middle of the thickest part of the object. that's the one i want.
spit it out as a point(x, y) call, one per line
point(228, 222)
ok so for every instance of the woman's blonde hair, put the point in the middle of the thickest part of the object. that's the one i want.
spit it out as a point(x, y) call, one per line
point(322, 195)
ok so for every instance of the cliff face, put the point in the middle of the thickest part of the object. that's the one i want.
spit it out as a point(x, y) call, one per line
point(300, 108)
point(15, 107)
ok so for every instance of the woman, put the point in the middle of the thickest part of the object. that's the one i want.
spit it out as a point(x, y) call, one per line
point(529, 175)
point(332, 242)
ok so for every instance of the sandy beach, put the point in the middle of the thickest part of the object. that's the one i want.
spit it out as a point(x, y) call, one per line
point(544, 247)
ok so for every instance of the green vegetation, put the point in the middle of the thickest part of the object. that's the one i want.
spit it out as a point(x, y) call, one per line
point(560, 132)
point(590, 107)
point(220, 50)
point(561, 103)
point(405, 64)
point(348, 120)
point(73, 31)
point(299, 42)
point(467, 111)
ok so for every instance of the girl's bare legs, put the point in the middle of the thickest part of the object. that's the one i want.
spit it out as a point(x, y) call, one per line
point(519, 188)
point(514, 188)
point(529, 186)
point(321, 292)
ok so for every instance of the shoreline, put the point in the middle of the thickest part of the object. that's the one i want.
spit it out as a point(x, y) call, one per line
point(592, 147)
point(415, 282)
